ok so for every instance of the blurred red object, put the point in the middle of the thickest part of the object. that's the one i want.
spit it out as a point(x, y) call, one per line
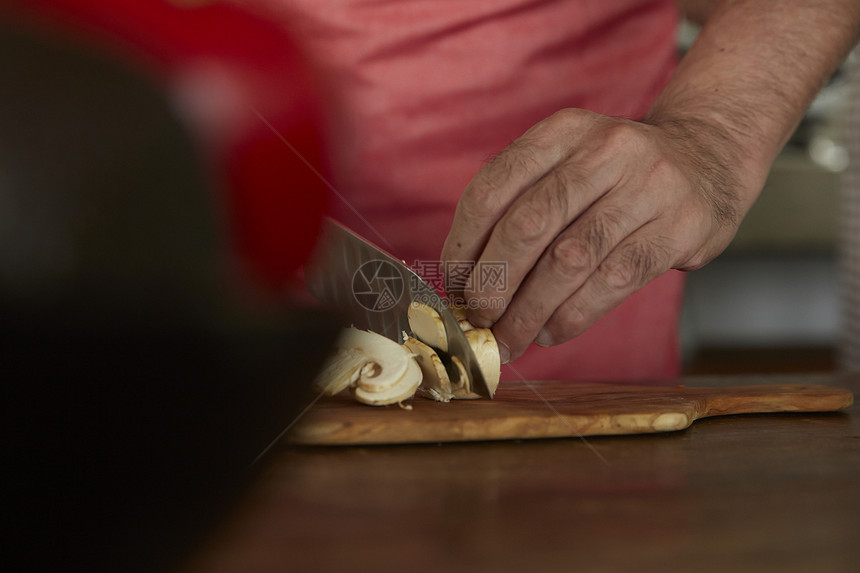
point(249, 99)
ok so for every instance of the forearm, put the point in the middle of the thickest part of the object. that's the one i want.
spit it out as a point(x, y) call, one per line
point(747, 80)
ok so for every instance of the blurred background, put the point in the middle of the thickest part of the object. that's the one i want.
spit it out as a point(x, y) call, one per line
point(782, 297)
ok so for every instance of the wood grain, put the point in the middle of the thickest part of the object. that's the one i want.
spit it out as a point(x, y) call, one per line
point(748, 493)
point(527, 410)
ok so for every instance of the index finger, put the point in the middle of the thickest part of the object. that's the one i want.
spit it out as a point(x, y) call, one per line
point(495, 187)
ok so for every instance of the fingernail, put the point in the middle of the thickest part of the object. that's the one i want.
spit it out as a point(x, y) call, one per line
point(504, 352)
point(544, 338)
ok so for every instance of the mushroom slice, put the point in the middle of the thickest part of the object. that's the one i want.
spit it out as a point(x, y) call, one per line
point(403, 390)
point(379, 370)
point(486, 350)
point(427, 326)
point(436, 383)
point(391, 360)
point(461, 387)
point(341, 370)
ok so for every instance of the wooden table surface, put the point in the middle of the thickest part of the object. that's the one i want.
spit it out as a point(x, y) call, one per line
point(775, 492)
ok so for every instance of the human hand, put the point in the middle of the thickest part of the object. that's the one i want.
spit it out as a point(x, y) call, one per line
point(586, 209)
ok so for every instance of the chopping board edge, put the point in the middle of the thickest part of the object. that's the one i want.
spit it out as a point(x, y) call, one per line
point(574, 410)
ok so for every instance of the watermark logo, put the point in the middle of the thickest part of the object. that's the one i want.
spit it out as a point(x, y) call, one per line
point(377, 285)
point(458, 276)
point(494, 275)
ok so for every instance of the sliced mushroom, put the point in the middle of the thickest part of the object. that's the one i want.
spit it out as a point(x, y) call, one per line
point(391, 359)
point(486, 350)
point(341, 370)
point(435, 384)
point(378, 370)
point(461, 387)
point(427, 326)
point(403, 390)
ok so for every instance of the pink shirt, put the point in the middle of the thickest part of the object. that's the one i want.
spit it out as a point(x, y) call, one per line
point(422, 93)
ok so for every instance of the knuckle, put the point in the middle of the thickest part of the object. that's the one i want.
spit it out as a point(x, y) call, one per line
point(629, 269)
point(524, 226)
point(552, 192)
point(556, 184)
point(662, 175)
point(482, 197)
point(622, 135)
point(634, 265)
point(604, 225)
point(663, 169)
point(521, 156)
point(568, 117)
point(520, 159)
point(564, 116)
point(553, 134)
point(570, 257)
point(619, 274)
point(573, 255)
point(489, 191)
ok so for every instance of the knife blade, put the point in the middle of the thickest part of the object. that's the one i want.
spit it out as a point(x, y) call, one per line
point(374, 290)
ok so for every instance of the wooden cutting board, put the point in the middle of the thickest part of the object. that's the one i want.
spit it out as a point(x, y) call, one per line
point(523, 410)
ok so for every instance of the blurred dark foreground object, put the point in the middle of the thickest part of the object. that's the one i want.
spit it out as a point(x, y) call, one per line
point(139, 383)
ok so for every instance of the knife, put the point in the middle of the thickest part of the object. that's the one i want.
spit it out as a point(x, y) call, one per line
point(374, 290)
